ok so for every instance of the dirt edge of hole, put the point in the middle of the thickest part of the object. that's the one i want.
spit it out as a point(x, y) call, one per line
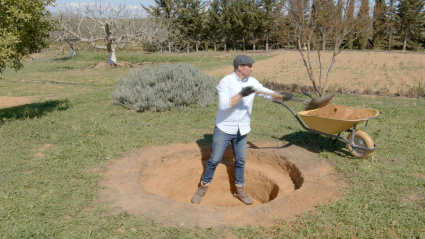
point(315, 183)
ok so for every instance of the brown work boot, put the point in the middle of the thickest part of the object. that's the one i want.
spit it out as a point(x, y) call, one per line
point(241, 195)
point(197, 197)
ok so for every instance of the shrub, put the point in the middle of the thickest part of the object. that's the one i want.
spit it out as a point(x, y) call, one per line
point(166, 87)
point(384, 91)
point(332, 88)
point(368, 91)
point(417, 91)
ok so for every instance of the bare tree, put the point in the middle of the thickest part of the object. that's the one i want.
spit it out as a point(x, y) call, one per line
point(105, 26)
point(314, 23)
point(61, 36)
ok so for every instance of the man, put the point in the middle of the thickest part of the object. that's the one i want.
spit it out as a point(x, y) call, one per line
point(235, 93)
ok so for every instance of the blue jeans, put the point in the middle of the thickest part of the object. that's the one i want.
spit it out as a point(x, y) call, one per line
point(220, 142)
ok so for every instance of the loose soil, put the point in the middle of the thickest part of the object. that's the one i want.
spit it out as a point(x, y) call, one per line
point(7, 101)
point(353, 70)
point(159, 182)
point(341, 112)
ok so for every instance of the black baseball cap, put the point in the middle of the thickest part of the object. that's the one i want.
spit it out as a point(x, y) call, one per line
point(242, 60)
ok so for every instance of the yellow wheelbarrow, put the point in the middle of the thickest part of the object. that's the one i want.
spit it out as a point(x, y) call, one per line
point(359, 143)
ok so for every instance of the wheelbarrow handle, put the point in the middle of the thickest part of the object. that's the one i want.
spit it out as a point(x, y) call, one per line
point(307, 94)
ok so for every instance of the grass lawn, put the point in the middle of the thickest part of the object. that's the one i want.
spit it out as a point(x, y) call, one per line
point(51, 153)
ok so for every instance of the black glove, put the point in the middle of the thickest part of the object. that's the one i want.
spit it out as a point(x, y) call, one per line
point(247, 91)
point(288, 96)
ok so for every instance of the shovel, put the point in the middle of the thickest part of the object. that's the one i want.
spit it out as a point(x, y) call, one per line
point(311, 105)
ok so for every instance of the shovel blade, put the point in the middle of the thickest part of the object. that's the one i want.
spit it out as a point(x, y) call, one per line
point(319, 102)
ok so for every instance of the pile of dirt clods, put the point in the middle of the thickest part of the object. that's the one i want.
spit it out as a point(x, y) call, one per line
point(341, 112)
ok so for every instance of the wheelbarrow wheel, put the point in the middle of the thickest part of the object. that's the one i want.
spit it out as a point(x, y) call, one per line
point(361, 138)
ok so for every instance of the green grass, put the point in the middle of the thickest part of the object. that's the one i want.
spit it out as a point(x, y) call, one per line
point(51, 76)
point(63, 62)
point(55, 196)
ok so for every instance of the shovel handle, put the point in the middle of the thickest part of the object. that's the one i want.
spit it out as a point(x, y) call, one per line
point(274, 94)
point(277, 95)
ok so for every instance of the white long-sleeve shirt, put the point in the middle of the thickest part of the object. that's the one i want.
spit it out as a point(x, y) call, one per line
point(230, 119)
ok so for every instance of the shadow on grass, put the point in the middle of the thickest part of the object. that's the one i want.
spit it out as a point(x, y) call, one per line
point(314, 143)
point(64, 58)
point(34, 110)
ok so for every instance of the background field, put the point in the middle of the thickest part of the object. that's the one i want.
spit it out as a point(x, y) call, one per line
point(54, 149)
point(369, 72)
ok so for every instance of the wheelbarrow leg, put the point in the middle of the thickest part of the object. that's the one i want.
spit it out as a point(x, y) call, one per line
point(316, 136)
point(317, 145)
point(336, 138)
point(323, 143)
point(354, 133)
point(315, 140)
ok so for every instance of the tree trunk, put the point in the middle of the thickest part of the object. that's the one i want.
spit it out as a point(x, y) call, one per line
point(267, 41)
point(234, 42)
point(111, 53)
point(377, 42)
point(61, 44)
point(111, 58)
point(169, 46)
point(243, 41)
point(405, 38)
point(109, 47)
point(350, 42)
point(196, 42)
point(73, 50)
point(187, 44)
point(253, 41)
point(215, 42)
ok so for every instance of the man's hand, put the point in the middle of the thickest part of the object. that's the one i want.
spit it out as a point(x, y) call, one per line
point(247, 91)
point(287, 96)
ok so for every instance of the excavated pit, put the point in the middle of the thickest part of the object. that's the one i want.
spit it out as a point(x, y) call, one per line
point(267, 177)
point(159, 182)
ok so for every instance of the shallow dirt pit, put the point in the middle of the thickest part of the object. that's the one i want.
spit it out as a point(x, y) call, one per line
point(159, 182)
point(268, 177)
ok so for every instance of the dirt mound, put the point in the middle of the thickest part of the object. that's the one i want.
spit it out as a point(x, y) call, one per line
point(159, 182)
point(341, 112)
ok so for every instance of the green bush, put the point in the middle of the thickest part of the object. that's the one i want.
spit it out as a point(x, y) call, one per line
point(166, 87)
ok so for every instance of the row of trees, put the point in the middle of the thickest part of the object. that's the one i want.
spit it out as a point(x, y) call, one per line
point(398, 24)
point(191, 25)
point(243, 24)
point(218, 22)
